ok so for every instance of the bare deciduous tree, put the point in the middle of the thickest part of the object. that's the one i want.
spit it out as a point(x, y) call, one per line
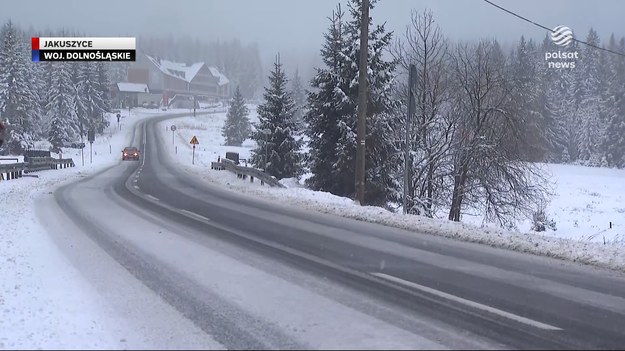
point(430, 132)
point(488, 169)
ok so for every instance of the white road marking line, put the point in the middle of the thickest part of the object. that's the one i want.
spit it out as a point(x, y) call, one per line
point(470, 303)
point(152, 197)
point(145, 138)
point(195, 215)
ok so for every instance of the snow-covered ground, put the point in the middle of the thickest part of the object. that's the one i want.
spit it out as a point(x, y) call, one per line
point(586, 201)
point(44, 301)
point(207, 128)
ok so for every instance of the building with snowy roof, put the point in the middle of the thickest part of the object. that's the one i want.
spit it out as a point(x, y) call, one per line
point(173, 78)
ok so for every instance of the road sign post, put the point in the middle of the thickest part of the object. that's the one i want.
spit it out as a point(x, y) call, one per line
point(118, 125)
point(173, 134)
point(193, 142)
point(91, 137)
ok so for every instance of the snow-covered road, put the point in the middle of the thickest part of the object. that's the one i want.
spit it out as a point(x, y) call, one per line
point(44, 298)
point(173, 287)
point(126, 278)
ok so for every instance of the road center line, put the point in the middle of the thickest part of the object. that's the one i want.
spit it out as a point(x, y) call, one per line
point(195, 215)
point(470, 303)
point(152, 197)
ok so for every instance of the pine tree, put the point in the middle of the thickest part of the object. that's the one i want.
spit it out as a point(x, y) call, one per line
point(276, 134)
point(299, 96)
point(45, 96)
point(614, 142)
point(526, 96)
point(93, 99)
point(588, 93)
point(38, 88)
point(328, 106)
point(552, 94)
point(102, 85)
point(565, 156)
point(567, 100)
point(62, 107)
point(332, 113)
point(237, 127)
point(381, 186)
point(80, 99)
point(18, 98)
point(117, 71)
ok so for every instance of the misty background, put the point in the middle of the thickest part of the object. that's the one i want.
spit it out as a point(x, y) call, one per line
point(295, 27)
point(491, 108)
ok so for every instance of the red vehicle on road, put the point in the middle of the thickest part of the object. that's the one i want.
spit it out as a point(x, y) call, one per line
point(130, 153)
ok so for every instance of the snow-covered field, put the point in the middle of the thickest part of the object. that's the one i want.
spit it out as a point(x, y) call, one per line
point(44, 301)
point(586, 201)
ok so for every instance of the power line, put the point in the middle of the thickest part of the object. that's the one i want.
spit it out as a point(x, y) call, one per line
point(552, 31)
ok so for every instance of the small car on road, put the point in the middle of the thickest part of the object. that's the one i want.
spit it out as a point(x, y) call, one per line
point(130, 153)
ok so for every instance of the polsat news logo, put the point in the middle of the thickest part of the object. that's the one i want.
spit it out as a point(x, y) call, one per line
point(83, 49)
point(561, 36)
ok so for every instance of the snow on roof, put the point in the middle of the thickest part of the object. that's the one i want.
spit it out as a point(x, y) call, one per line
point(176, 69)
point(186, 72)
point(222, 79)
point(132, 87)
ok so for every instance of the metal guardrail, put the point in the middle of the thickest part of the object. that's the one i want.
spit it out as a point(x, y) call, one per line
point(43, 163)
point(244, 172)
point(35, 153)
point(34, 164)
point(12, 170)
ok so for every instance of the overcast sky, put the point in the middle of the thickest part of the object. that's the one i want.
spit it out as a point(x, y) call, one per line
point(295, 27)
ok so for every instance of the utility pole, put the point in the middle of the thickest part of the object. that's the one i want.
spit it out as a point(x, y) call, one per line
point(412, 74)
point(362, 104)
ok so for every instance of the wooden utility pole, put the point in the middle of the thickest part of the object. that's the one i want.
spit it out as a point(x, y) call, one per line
point(362, 104)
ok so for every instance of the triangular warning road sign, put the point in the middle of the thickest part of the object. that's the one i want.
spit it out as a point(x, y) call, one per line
point(194, 141)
